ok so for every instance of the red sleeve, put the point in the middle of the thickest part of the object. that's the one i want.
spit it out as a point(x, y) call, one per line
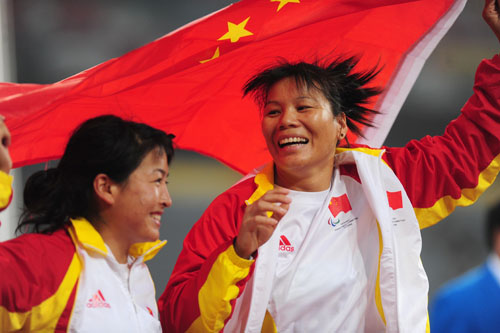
point(32, 267)
point(208, 255)
point(442, 172)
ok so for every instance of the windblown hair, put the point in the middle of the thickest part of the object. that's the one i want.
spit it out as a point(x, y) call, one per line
point(492, 224)
point(105, 144)
point(345, 89)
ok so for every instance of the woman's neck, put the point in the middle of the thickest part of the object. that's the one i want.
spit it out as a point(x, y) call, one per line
point(306, 181)
point(119, 249)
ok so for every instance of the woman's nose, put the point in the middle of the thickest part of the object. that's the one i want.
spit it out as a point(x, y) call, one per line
point(165, 198)
point(288, 118)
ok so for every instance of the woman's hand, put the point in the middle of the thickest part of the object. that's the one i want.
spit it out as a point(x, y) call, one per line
point(256, 227)
point(491, 16)
point(5, 161)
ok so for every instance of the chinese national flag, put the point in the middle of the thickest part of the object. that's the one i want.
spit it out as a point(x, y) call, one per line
point(189, 81)
point(395, 200)
point(339, 204)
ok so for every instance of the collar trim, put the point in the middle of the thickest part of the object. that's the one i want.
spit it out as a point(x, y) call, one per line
point(84, 233)
point(265, 182)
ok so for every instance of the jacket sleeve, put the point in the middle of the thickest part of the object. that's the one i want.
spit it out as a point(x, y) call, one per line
point(442, 172)
point(37, 282)
point(208, 275)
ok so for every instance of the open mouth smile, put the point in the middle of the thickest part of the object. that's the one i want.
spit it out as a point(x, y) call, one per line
point(292, 141)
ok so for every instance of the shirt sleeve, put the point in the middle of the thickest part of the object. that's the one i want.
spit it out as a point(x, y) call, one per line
point(454, 169)
point(208, 275)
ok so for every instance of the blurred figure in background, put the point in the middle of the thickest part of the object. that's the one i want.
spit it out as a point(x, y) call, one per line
point(471, 303)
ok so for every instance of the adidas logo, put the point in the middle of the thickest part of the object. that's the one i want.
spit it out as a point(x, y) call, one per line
point(285, 244)
point(98, 301)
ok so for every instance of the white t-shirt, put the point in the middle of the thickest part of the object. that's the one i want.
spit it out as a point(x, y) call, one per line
point(321, 279)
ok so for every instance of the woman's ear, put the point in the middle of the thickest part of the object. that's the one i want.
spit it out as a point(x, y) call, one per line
point(342, 121)
point(104, 188)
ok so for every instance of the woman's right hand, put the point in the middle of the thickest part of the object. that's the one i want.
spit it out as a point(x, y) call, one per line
point(256, 227)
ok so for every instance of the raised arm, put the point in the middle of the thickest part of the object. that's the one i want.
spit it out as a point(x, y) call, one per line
point(442, 172)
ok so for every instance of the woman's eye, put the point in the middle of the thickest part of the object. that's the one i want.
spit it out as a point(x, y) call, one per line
point(303, 107)
point(272, 112)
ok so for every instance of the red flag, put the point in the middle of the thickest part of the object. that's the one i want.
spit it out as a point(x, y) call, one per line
point(395, 200)
point(339, 204)
point(189, 82)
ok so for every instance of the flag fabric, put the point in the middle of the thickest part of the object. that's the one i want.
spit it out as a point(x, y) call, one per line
point(339, 204)
point(395, 200)
point(189, 82)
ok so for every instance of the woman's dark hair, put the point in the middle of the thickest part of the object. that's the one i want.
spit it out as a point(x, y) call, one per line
point(105, 144)
point(345, 89)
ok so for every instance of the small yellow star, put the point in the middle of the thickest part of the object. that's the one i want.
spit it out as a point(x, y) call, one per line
point(284, 2)
point(216, 55)
point(236, 31)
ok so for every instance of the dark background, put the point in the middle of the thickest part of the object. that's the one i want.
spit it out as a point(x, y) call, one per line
point(55, 39)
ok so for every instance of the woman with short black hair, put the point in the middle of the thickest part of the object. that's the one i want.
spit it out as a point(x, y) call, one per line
point(326, 237)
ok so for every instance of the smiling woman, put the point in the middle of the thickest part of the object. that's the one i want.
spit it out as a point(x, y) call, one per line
point(326, 238)
point(96, 220)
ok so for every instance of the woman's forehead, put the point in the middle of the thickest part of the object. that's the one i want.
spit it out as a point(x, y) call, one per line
point(301, 86)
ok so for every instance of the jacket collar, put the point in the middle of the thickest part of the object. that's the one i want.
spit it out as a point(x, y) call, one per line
point(84, 233)
point(265, 178)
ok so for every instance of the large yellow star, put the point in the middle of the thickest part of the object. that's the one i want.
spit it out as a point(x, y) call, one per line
point(236, 31)
point(216, 55)
point(284, 2)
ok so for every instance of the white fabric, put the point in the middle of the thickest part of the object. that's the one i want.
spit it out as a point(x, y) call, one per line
point(329, 285)
point(493, 263)
point(295, 224)
point(114, 297)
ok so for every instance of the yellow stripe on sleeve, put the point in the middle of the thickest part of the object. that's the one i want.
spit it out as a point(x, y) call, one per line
point(445, 206)
point(43, 317)
point(219, 290)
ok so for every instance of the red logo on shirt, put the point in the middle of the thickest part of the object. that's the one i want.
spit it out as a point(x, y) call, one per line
point(395, 200)
point(285, 244)
point(98, 301)
point(339, 204)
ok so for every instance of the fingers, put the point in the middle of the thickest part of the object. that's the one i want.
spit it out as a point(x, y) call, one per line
point(491, 15)
point(274, 203)
point(260, 221)
point(274, 207)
